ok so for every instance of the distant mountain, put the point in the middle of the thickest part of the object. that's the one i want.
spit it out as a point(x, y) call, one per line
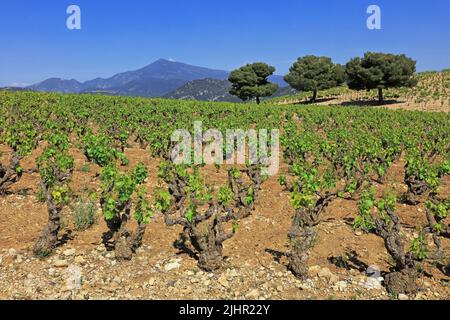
point(164, 70)
point(14, 89)
point(285, 91)
point(279, 80)
point(214, 90)
point(150, 87)
point(204, 90)
point(155, 80)
point(58, 85)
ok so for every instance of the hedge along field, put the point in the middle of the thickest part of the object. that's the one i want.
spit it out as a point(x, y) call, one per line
point(331, 153)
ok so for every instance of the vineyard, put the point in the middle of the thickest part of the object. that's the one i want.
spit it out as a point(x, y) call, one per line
point(93, 208)
point(431, 94)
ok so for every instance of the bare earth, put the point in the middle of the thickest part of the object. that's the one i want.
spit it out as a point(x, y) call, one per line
point(254, 267)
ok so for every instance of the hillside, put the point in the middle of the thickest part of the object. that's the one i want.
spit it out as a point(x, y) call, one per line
point(432, 93)
point(204, 90)
point(215, 90)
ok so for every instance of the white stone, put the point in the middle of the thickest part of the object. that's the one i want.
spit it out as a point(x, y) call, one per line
point(373, 283)
point(223, 281)
point(60, 263)
point(80, 260)
point(314, 270)
point(403, 297)
point(333, 279)
point(12, 252)
point(172, 266)
point(341, 286)
point(69, 252)
point(253, 295)
point(324, 273)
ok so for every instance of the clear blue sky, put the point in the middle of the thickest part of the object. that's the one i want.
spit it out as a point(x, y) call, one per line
point(121, 35)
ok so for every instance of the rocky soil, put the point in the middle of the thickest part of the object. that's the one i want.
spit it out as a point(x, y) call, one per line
point(94, 273)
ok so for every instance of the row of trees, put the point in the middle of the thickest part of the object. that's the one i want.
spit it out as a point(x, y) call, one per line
point(312, 73)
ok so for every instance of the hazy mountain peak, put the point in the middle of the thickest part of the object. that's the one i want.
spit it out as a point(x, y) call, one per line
point(154, 80)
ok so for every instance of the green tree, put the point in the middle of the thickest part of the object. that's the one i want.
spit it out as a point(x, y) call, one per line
point(250, 82)
point(311, 73)
point(380, 71)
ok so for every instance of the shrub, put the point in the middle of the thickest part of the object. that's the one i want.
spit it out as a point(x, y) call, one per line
point(84, 214)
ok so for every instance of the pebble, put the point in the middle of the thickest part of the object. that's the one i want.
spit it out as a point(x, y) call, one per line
point(314, 270)
point(12, 253)
point(172, 266)
point(194, 280)
point(60, 263)
point(403, 297)
point(69, 252)
point(110, 255)
point(151, 281)
point(324, 273)
point(340, 286)
point(333, 279)
point(373, 283)
point(233, 273)
point(223, 281)
point(304, 286)
point(80, 260)
point(252, 295)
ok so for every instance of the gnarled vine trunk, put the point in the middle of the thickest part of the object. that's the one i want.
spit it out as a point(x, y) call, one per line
point(9, 175)
point(301, 242)
point(416, 189)
point(403, 279)
point(48, 238)
point(303, 235)
point(125, 242)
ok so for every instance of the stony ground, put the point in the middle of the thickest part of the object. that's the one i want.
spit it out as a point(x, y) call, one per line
point(94, 273)
point(343, 263)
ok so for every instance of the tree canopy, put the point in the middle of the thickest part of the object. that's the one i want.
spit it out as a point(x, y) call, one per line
point(311, 73)
point(250, 82)
point(380, 71)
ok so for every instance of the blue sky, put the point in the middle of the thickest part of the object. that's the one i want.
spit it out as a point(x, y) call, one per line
point(121, 35)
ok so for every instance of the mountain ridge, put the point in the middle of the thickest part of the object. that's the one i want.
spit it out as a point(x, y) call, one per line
point(154, 80)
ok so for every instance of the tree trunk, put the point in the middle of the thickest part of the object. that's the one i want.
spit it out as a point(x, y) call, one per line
point(401, 282)
point(211, 259)
point(380, 96)
point(9, 175)
point(258, 101)
point(48, 238)
point(138, 236)
point(301, 241)
point(122, 247)
point(314, 97)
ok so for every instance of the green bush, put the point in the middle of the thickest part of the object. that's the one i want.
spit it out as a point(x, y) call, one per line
point(84, 214)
